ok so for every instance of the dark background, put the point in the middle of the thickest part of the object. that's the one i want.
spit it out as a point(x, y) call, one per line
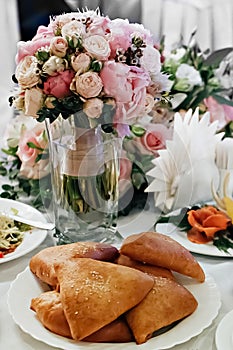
point(33, 13)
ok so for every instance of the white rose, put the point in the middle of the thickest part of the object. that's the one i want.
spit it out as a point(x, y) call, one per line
point(97, 47)
point(81, 63)
point(73, 29)
point(93, 107)
point(150, 60)
point(149, 103)
point(54, 64)
point(27, 72)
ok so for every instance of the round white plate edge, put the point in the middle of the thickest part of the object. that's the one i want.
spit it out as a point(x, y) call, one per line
point(38, 233)
point(224, 329)
point(67, 344)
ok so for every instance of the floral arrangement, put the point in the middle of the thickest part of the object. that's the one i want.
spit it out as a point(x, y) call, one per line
point(108, 71)
point(82, 61)
point(201, 79)
point(133, 74)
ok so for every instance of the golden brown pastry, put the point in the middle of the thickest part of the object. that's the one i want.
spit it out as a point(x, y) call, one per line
point(150, 269)
point(95, 293)
point(42, 264)
point(50, 313)
point(115, 332)
point(166, 303)
point(158, 249)
point(49, 310)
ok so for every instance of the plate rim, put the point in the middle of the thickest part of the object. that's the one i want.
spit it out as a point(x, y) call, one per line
point(58, 341)
point(223, 323)
point(39, 233)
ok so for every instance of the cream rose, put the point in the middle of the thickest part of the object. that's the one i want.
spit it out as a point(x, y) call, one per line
point(149, 103)
point(33, 100)
point(93, 107)
point(58, 46)
point(88, 84)
point(73, 28)
point(27, 72)
point(97, 47)
point(54, 65)
point(81, 63)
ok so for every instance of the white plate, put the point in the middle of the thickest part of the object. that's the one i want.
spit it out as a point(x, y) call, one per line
point(224, 333)
point(181, 237)
point(26, 286)
point(32, 238)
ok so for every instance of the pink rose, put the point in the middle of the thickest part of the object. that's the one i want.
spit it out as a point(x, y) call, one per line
point(59, 85)
point(36, 136)
point(125, 173)
point(87, 85)
point(219, 112)
point(153, 140)
point(128, 86)
point(81, 63)
point(99, 25)
point(58, 46)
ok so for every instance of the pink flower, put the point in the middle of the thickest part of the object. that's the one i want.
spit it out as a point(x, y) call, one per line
point(58, 46)
point(42, 38)
point(43, 32)
point(36, 136)
point(59, 85)
point(219, 112)
point(128, 86)
point(87, 84)
point(125, 172)
point(153, 140)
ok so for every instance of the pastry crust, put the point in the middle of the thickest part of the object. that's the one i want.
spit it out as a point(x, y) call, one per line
point(158, 249)
point(42, 264)
point(166, 303)
point(95, 293)
point(49, 310)
point(152, 270)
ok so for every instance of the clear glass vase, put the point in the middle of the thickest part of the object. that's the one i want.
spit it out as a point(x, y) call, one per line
point(84, 170)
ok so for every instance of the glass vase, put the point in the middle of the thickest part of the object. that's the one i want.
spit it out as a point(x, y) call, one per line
point(84, 172)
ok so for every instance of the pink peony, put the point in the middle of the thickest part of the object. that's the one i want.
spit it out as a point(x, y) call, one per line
point(219, 112)
point(42, 38)
point(125, 172)
point(59, 85)
point(128, 86)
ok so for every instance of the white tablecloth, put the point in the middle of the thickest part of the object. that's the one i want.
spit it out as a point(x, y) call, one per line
point(12, 337)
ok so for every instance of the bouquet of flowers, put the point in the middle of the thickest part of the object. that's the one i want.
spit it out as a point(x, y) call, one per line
point(108, 71)
point(85, 62)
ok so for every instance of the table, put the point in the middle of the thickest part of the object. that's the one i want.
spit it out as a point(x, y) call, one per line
point(11, 336)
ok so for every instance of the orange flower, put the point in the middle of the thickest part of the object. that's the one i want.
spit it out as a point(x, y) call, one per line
point(205, 223)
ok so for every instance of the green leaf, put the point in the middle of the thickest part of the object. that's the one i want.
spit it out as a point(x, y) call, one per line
point(222, 100)
point(138, 130)
point(215, 58)
point(180, 220)
point(32, 145)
